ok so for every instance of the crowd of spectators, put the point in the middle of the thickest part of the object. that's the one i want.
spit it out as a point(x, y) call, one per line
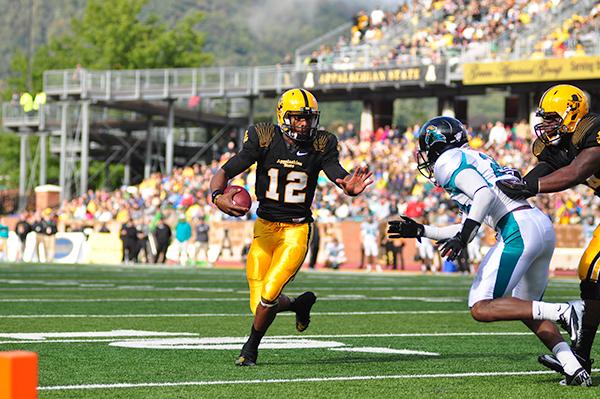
point(389, 151)
point(574, 37)
point(429, 31)
point(145, 214)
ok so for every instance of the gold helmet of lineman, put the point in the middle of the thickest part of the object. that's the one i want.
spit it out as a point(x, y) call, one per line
point(561, 108)
point(298, 104)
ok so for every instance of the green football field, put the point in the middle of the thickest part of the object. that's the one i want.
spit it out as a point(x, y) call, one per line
point(150, 332)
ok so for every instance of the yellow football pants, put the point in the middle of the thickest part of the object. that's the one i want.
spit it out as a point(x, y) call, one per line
point(589, 264)
point(276, 254)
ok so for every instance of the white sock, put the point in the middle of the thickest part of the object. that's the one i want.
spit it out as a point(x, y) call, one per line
point(565, 356)
point(547, 311)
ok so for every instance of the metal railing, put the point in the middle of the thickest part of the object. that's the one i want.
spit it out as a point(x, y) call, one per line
point(13, 116)
point(174, 83)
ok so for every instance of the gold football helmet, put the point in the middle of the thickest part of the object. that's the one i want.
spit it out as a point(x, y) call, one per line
point(561, 108)
point(298, 104)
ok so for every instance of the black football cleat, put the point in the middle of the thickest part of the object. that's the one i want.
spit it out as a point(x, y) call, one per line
point(303, 304)
point(570, 319)
point(245, 361)
point(551, 362)
point(247, 356)
point(581, 378)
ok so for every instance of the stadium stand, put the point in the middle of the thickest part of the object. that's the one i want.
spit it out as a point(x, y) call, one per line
point(428, 32)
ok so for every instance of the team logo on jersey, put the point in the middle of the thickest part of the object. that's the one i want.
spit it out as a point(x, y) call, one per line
point(598, 138)
point(433, 136)
point(289, 163)
point(246, 136)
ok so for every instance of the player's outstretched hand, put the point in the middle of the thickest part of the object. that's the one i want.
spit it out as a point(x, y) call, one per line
point(517, 189)
point(355, 183)
point(225, 203)
point(405, 228)
point(451, 247)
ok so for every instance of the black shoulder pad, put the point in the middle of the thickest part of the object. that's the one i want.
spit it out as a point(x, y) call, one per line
point(320, 142)
point(587, 132)
point(265, 132)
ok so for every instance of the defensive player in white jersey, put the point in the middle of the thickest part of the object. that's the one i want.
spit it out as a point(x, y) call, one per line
point(512, 277)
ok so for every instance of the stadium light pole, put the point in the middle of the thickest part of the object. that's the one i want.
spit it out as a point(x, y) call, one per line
point(43, 139)
point(148, 157)
point(23, 169)
point(62, 179)
point(169, 139)
point(85, 144)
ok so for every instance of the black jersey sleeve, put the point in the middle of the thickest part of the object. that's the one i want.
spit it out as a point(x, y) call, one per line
point(246, 157)
point(331, 160)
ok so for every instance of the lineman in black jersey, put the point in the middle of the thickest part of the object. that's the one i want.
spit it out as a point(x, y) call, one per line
point(568, 150)
point(289, 157)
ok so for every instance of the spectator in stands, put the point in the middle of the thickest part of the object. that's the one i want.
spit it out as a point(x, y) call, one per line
point(369, 230)
point(49, 236)
point(426, 254)
point(183, 234)
point(162, 233)
point(335, 253)
point(142, 241)
point(3, 240)
point(498, 136)
point(129, 236)
point(39, 227)
point(246, 250)
point(201, 243)
point(22, 228)
point(394, 249)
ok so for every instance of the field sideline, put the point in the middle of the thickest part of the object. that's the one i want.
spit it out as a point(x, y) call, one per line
point(170, 332)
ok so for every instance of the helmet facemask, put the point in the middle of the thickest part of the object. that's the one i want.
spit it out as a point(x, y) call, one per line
point(427, 155)
point(305, 134)
point(551, 129)
point(424, 165)
point(435, 137)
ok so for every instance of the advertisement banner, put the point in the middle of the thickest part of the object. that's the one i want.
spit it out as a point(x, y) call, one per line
point(405, 76)
point(546, 70)
point(68, 247)
point(104, 249)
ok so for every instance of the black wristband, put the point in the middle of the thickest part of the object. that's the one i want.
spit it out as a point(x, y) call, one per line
point(469, 226)
point(215, 194)
point(533, 183)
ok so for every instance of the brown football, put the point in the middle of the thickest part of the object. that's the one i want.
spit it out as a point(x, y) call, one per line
point(242, 197)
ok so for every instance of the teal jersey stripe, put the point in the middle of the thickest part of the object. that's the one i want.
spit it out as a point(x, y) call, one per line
point(513, 249)
point(451, 185)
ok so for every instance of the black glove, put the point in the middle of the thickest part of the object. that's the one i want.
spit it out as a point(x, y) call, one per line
point(519, 189)
point(451, 247)
point(454, 246)
point(405, 228)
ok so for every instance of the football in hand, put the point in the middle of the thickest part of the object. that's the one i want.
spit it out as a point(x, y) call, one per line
point(241, 198)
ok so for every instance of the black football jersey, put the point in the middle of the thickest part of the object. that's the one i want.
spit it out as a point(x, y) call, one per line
point(586, 135)
point(286, 175)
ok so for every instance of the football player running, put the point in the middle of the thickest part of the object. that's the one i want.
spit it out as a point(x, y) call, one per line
point(568, 150)
point(513, 275)
point(289, 157)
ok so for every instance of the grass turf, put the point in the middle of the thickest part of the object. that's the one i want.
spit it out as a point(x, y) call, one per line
point(353, 310)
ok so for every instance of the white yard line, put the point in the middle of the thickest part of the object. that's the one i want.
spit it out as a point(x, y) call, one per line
point(150, 315)
point(295, 380)
point(298, 337)
point(217, 299)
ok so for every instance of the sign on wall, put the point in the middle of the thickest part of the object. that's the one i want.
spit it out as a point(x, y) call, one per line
point(414, 75)
point(554, 69)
